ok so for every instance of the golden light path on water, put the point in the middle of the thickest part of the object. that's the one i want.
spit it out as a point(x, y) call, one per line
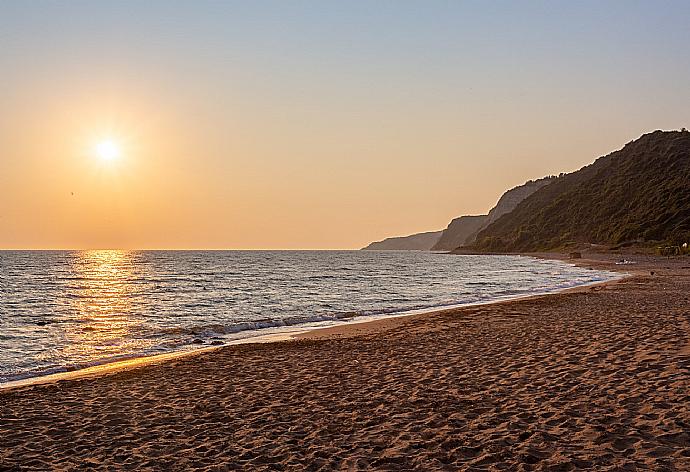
point(64, 310)
point(100, 299)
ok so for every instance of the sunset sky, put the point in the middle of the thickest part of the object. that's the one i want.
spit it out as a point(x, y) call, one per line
point(312, 124)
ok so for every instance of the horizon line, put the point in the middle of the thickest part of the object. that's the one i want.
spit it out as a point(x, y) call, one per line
point(178, 249)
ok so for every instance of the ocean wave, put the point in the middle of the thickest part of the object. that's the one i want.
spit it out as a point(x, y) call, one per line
point(177, 300)
point(214, 330)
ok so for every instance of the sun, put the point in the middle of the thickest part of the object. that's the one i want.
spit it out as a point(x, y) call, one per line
point(107, 150)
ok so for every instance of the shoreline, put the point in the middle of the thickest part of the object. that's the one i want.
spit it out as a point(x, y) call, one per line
point(352, 327)
point(593, 378)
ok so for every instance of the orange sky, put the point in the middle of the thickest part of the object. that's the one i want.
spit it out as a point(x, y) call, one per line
point(299, 137)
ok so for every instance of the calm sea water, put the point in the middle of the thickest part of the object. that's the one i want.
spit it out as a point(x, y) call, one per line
point(62, 310)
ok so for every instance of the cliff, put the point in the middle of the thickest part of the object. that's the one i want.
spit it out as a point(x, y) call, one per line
point(458, 231)
point(463, 230)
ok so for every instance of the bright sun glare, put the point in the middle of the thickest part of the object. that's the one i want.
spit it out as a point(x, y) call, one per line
point(107, 150)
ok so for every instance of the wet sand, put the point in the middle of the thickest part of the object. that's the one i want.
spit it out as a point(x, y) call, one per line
point(597, 378)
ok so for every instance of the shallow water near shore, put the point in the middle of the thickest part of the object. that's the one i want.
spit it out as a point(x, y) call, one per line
point(63, 310)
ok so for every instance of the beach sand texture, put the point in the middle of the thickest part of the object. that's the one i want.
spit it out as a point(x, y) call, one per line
point(591, 379)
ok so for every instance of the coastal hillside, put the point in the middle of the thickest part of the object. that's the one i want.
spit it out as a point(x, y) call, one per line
point(640, 193)
point(510, 199)
point(458, 232)
point(463, 230)
point(414, 242)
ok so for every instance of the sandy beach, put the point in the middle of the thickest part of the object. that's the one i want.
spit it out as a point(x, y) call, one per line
point(596, 378)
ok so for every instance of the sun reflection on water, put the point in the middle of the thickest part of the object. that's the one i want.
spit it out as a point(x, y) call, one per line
point(67, 309)
point(100, 291)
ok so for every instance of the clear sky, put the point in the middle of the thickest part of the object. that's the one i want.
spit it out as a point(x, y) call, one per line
point(312, 124)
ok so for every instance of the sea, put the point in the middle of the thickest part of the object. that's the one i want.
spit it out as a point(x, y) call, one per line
point(66, 310)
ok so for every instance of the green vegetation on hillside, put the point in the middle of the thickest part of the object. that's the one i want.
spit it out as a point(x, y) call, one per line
point(639, 194)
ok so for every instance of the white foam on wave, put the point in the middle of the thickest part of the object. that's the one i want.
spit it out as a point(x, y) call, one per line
point(193, 337)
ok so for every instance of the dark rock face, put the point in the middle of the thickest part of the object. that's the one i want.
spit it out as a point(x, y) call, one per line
point(458, 231)
point(463, 231)
point(640, 193)
point(512, 198)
